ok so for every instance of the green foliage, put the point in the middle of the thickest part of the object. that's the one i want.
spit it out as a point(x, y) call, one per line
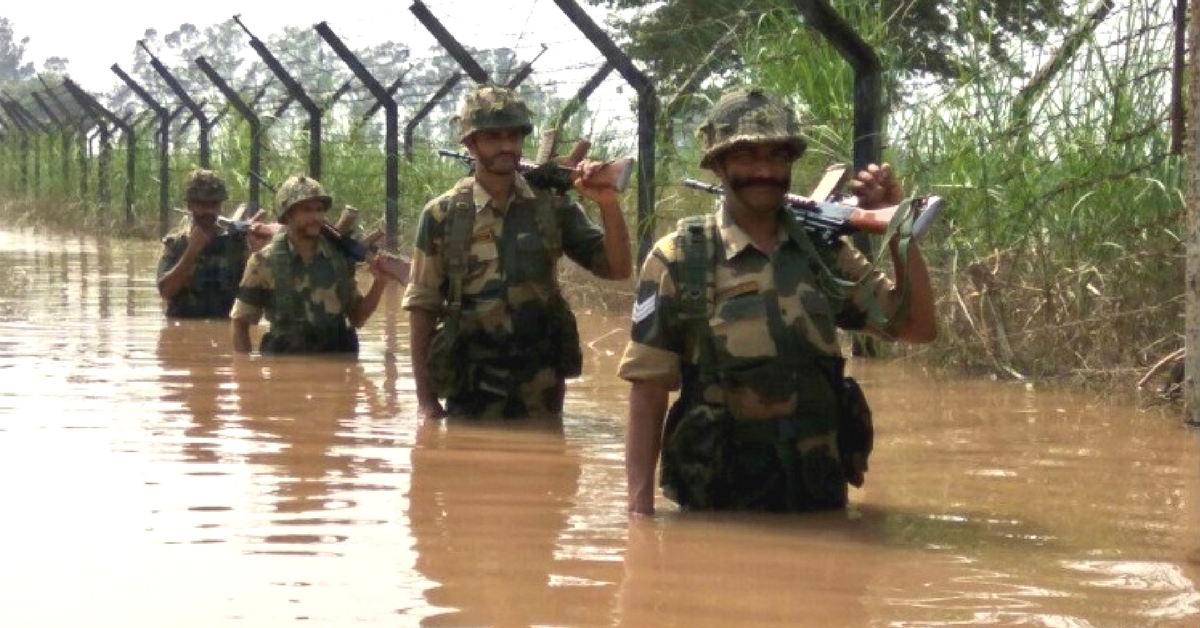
point(13, 67)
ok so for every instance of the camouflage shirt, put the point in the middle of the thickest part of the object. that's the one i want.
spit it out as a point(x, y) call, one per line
point(509, 284)
point(746, 288)
point(214, 283)
point(320, 293)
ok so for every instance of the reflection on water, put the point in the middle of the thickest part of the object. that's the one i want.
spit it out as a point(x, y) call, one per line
point(153, 478)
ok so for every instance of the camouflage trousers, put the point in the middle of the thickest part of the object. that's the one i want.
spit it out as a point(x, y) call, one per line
point(506, 390)
point(711, 462)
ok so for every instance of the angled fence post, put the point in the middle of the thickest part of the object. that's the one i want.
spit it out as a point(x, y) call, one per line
point(437, 97)
point(448, 42)
point(65, 146)
point(81, 128)
point(391, 165)
point(251, 118)
point(868, 109)
point(297, 92)
point(34, 125)
point(91, 104)
point(23, 147)
point(577, 101)
point(647, 108)
point(391, 91)
point(164, 142)
point(197, 111)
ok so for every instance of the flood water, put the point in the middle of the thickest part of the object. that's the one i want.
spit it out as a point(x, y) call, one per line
point(153, 479)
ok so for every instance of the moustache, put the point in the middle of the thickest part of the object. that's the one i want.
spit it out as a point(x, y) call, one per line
point(782, 184)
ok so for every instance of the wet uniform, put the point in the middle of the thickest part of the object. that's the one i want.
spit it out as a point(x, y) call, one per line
point(772, 390)
point(509, 323)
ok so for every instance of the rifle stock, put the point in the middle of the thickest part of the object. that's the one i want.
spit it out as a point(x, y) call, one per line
point(552, 176)
point(835, 219)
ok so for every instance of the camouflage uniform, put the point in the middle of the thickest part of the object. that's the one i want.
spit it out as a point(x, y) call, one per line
point(756, 422)
point(517, 339)
point(219, 267)
point(306, 302)
point(510, 293)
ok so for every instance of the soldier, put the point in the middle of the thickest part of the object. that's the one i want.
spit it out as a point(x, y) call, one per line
point(202, 263)
point(739, 309)
point(484, 275)
point(303, 283)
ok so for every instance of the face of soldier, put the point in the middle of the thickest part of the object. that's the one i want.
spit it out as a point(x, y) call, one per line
point(757, 176)
point(304, 218)
point(497, 151)
point(204, 213)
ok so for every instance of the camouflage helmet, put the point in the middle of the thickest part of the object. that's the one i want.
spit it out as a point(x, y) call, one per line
point(204, 186)
point(297, 189)
point(748, 114)
point(491, 107)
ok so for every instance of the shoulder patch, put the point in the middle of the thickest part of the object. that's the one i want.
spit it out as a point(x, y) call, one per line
point(644, 308)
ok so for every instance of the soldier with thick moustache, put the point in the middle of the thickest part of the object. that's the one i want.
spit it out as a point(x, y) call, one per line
point(305, 287)
point(759, 369)
point(202, 263)
point(513, 325)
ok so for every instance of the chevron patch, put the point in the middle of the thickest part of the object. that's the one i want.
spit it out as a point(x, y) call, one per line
point(644, 308)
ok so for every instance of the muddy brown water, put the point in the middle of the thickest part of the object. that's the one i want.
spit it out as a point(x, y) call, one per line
point(152, 479)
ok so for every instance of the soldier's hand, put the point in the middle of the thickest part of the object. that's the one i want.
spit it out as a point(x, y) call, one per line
point(259, 234)
point(590, 182)
point(876, 186)
point(198, 238)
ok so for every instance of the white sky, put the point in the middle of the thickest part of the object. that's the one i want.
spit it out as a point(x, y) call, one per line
point(94, 35)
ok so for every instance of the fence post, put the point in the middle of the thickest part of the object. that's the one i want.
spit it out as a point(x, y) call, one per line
point(247, 113)
point(576, 101)
point(88, 102)
point(297, 92)
point(447, 41)
point(164, 143)
point(391, 92)
point(647, 111)
point(33, 124)
point(23, 147)
point(197, 111)
point(64, 150)
point(391, 165)
point(81, 128)
point(437, 97)
point(868, 109)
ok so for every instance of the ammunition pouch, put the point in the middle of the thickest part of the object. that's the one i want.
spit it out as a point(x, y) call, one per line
point(564, 334)
point(308, 338)
point(696, 455)
point(446, 363)
point(855, 432)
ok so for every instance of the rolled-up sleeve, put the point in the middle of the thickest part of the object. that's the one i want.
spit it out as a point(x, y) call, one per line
point(255, 290)
point(656, 341)
point(427, 275)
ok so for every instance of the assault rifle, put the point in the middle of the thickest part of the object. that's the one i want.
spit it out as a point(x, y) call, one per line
point(831, 218)
point(556, 176)
point(238, 227)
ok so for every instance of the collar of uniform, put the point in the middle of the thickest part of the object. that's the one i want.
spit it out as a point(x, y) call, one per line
point(734, 239)
point(521, 191)
point(323, 247)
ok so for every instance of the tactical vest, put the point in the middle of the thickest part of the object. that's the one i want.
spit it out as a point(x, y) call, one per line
point(699, 241)
point(291, 331)
point(553, 339)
